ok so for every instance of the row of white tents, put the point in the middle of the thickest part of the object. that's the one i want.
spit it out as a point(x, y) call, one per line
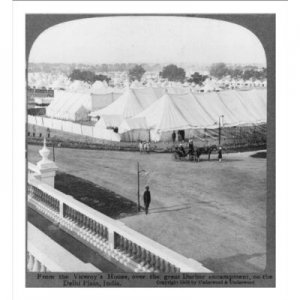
point(189, 112)
point(75, 106)
point(61, 81)
point(140, 113)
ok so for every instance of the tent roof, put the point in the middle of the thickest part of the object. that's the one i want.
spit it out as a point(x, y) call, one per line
point(110, 121)
point(133, 124)
point(127, 106)
point(66, 104)
point(164, 115)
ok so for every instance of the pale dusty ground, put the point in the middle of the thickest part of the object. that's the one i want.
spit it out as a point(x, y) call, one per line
point(213, 212)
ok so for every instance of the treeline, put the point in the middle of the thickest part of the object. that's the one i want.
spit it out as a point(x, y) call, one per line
point(170, 72)
point(97, 68)
point(221, 70)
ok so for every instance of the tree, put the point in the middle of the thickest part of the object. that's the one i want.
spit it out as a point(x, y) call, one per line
point(87, 76)
point(197, 78)
point(218, 70)
point(235, 73)
point(173, 73)
point(136, 73)
point(101, 77)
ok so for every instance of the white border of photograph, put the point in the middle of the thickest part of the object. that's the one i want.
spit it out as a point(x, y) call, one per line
point(283, 139)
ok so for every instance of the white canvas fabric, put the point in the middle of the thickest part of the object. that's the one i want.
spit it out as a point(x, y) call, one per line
point(70, 106)
point(39, 121)
point(148, 95)
point(99, 85)
point(57, 124)
point(76, 128)
point(101, 100)
point(212, 104)
point(133, 124)
point(48, 122)
point(255, 105)
point(87, 130)
point(127, 106)
point(164, 115)
point(106, 134)
point(31, 119)
point(195, 114)
point(67, 126)
point(109, 121)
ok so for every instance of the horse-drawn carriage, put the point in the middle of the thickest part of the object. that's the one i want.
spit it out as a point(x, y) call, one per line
point(182, 153)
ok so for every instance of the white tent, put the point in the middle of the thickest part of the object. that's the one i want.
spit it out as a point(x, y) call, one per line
point(70, 106)
point(134, 129)
point(78, 86)
point(109, 121)
point(148, 95)
point(192, 112)
point(99, 85)
point(106, 134)
point(101, 100)
point(127, 106)
point(163, 115)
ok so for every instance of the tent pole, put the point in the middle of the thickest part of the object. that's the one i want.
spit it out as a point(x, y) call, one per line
point(53, 154)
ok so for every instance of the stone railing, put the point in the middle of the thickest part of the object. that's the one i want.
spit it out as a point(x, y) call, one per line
point(32, 168)
point(45, 255)
point(110, 238)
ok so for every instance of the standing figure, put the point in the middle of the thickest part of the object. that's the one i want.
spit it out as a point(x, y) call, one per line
point(147, 145)
point(220, 154)
point(147, 199)
point(209, 151)
point(141, 147)
point(174, 137)
point(191, 147)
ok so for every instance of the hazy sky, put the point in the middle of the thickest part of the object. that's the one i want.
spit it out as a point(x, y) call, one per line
point(147, 39)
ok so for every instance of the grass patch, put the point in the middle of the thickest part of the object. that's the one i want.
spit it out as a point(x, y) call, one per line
point(94, 196)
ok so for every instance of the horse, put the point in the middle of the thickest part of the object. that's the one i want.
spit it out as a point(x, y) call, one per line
point(204, 150)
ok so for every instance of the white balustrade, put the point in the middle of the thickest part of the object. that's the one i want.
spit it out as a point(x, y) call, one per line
point(34, 265)
point(109, 237)
point(45, 255)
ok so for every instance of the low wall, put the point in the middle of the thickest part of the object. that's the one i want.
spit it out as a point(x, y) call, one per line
point(109, 237)
point(69, 127)
point(45, 255)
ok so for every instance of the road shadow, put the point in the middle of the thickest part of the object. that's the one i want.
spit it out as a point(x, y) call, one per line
point(95, 196)
point(238, 262)
point(157, 210)
point(261, 154)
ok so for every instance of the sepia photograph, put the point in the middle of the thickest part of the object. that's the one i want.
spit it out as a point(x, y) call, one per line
point(148, 150)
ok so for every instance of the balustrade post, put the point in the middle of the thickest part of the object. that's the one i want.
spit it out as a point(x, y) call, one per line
point(138, 253)
point(30, 262)
point(157, 264)
point(43, 268)
point(47, 168)
point(36, 266)
point(167, 267)
point(111, 239)
point(143, 256)
point(163, 266)
point(62, 207)
point(121, 243)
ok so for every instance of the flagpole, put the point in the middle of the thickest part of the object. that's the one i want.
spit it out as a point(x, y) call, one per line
point(138, 190)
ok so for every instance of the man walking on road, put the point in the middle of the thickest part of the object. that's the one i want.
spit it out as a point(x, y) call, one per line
point(147, 199)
